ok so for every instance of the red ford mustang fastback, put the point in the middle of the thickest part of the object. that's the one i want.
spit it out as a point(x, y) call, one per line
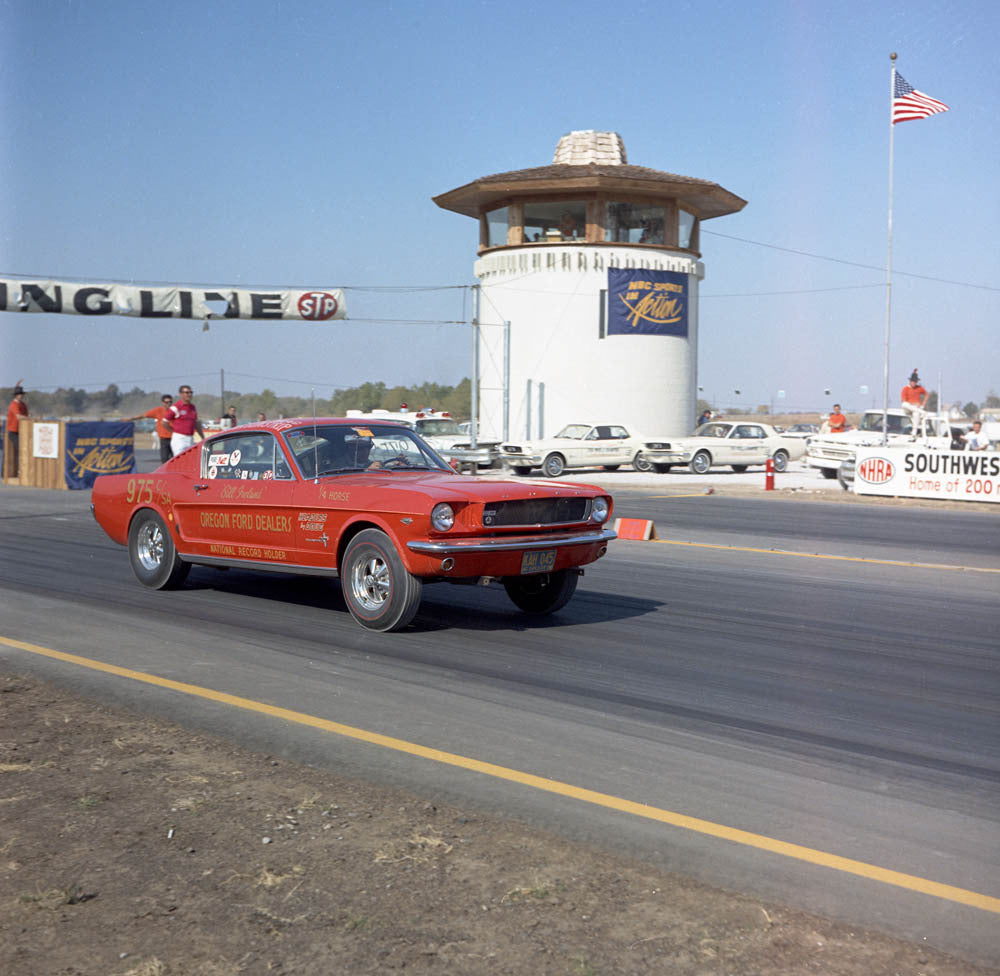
point(370, 502)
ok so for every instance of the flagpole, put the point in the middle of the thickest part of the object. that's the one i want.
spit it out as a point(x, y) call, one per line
point(888, 265)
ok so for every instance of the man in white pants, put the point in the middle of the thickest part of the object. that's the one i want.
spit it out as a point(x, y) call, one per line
point(183, 419)
point(913, 397)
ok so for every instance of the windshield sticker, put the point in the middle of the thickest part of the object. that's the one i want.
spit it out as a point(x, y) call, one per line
point(213, 471)
point(234, 458)
point(220, 459)
point(362, 432)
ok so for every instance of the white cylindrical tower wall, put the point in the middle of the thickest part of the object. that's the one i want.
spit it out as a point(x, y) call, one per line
point(552, 297)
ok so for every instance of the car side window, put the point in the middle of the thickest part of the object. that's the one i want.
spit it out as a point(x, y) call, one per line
point(247, 457)
point(619, 433)
point(744, 431)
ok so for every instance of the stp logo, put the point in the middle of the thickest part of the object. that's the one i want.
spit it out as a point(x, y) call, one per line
point(318, 306)
point(876, 470)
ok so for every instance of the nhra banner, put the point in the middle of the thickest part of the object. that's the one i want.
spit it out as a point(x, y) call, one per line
point(169, 302)
point(916, 472)
point(643, 302)
point(95, 448)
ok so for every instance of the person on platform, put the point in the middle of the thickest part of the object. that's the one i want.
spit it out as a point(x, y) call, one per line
point(164, 432)
point(837, 422)
point(17, 409)
point(913, 397)
point(183, 419)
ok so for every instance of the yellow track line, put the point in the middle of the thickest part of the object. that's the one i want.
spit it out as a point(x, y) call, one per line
point(820, 555)
point(833, 861)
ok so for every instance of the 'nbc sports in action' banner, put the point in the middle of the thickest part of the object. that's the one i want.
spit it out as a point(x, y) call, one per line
point(643, 302)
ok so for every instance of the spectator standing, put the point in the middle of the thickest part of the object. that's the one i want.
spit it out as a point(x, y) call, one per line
point(261, 416)
point(229, 420)
point(706, 416)
point(17, 409)
point(975, 439)
point(913, 397)
point(837, 422)
point(183, 419)
point(164, 432)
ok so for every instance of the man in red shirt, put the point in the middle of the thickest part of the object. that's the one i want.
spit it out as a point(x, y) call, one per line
point(836, 420)
point(913, 397)
point(17, 409)
point(163, 429)
point(183, 419)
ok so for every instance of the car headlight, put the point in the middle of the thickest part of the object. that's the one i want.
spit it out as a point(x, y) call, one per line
point(442, 516)
point(599, 510)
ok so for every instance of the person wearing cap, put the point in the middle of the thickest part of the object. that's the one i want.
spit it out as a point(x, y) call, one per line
point(913, 397)
point(183, 419)
point(164, 431)
point(17, 409)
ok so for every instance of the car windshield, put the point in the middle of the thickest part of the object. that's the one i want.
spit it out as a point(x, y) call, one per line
point(333, 449)
point(576, 432)
point(897, 425)
point(714, 430)
point(438, 428)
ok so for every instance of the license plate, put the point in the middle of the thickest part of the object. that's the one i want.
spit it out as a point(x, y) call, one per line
point(538, 561)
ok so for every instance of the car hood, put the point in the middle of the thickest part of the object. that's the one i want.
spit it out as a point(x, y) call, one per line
point(441, 486)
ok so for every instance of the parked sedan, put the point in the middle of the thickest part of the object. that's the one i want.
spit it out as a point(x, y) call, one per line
point(370, 502)
point(607, 446)
point(736, 443)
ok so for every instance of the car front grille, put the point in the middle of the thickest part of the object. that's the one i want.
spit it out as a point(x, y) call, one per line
point(512, 449)
point(536, 511)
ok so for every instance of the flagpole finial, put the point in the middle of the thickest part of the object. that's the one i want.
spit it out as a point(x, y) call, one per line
point(892, 57)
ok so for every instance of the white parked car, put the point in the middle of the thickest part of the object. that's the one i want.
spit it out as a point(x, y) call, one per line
point(608, 446)
point(800, 430)
point(735, 443)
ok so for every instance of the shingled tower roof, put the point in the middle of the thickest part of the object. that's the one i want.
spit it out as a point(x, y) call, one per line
point(587, 161)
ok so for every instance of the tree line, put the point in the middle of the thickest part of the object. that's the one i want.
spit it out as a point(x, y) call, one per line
point(111, 403)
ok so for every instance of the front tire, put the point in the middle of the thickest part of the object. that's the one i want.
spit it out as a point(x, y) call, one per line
point(554, 465)
point(701, 463)
point(378, 590)
point(521, 471)
point(152, 554)
point(611, 467)
point(828, 473)
point(541, 593)
point(739, 468)
point(662, 468)
point(780, 461)
point(641, 463)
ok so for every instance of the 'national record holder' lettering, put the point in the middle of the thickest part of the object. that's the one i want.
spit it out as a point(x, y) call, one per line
point(170, 301)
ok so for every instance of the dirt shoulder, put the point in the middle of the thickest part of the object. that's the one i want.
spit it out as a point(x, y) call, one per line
point(133, 847)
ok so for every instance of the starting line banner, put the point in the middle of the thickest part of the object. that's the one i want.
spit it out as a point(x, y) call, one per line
point(915, 472)
point(170, 301)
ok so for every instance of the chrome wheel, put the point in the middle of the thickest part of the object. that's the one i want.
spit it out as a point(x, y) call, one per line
point(371, 583)
point(149, 546)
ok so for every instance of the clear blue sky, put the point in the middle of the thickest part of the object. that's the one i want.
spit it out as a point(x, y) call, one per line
point(294, 143)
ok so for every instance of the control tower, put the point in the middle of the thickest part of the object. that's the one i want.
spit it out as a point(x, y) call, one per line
point(596, 266)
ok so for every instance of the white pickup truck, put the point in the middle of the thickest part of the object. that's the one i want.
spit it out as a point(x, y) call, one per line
point(828, 452)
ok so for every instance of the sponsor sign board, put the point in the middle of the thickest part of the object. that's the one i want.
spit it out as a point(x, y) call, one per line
point(645, 302)
point(171, 301)
point(45, 440)
point(918, 472)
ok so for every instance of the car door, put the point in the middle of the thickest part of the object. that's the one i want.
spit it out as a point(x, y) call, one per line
point(748, 442)
point(243, 507)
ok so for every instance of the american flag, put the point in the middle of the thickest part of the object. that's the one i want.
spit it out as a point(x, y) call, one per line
point(908, 103)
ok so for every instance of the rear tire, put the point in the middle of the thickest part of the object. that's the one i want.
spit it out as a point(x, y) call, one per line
point(152, 554)
point(378, 590)
point(611, 467)
point(541, 593)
